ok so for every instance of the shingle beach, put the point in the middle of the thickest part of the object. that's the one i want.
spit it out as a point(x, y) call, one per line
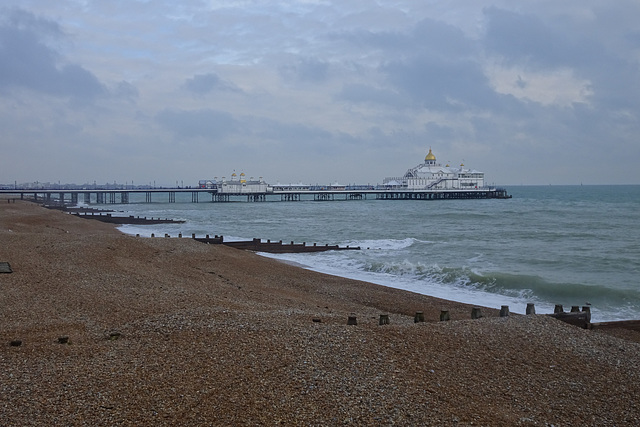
point(122, 330)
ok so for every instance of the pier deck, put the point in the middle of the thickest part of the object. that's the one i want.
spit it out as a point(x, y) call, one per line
point(168, 195)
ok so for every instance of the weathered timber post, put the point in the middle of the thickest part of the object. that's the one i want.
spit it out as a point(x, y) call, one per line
point(166, 235)
point(476, 313)
point(15, 343)
point(153, 235)
point(444, 315)
point(419, 317)
point(558, 309)
point(504, 311)
point(575, 309)
point(193, 235)
point(179, 235)
point(531, 308)
point(384, 319)
point(63, 340)
point(587, 309)
point(352, 320)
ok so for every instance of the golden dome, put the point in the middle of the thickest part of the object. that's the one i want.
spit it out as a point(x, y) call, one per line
point(429, 156)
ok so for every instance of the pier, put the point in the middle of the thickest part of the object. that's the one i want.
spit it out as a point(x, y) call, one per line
point(213, 195)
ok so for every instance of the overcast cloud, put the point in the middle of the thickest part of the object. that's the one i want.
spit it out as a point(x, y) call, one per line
point(531, 92)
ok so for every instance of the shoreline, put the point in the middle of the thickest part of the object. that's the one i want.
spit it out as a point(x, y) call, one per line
point(206, 334)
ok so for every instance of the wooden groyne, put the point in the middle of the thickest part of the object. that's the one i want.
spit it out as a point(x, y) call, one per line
point(257, 245)
point(125, 219)
point(75, 209)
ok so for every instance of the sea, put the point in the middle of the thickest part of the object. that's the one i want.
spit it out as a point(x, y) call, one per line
point(547, 245)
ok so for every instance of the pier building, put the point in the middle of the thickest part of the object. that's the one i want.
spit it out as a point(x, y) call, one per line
point(431, 175)
point(240, 185)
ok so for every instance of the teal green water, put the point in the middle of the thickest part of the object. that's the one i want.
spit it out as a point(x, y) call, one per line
point(548, 244)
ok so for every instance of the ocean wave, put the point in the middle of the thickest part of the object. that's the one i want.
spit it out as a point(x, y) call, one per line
point(385, 244)
point(568, 294)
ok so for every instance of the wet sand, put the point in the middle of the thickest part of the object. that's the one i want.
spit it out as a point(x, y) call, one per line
point(169, 331)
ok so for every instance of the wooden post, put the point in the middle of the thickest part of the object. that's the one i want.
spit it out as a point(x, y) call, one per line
point(587, 309)
point(352, 320)
point(558, 309)
point(153, 235)
point(193, 235)
point(476, 313)
point(384, 319)
point(419, 317)
point(444, 316)
point(575, 309)
point(504, 311)
point(531, 308)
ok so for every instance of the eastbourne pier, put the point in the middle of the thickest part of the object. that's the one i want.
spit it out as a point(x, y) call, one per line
point(168, 195)
point(428, 180)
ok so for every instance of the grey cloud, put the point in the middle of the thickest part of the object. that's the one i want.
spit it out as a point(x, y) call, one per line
point(530, 42)
point(417, 74)
point(306, 70)
point(205, 83)
point(442, 84)
point(520, 37)
point(295, 136)
point(432, 64)
point(362, 93)
point(427, 37)
point(204, 123)
point(126, 90)
point(28, 62)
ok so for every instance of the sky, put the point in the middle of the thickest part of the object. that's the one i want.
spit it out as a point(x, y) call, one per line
point(532, 92)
